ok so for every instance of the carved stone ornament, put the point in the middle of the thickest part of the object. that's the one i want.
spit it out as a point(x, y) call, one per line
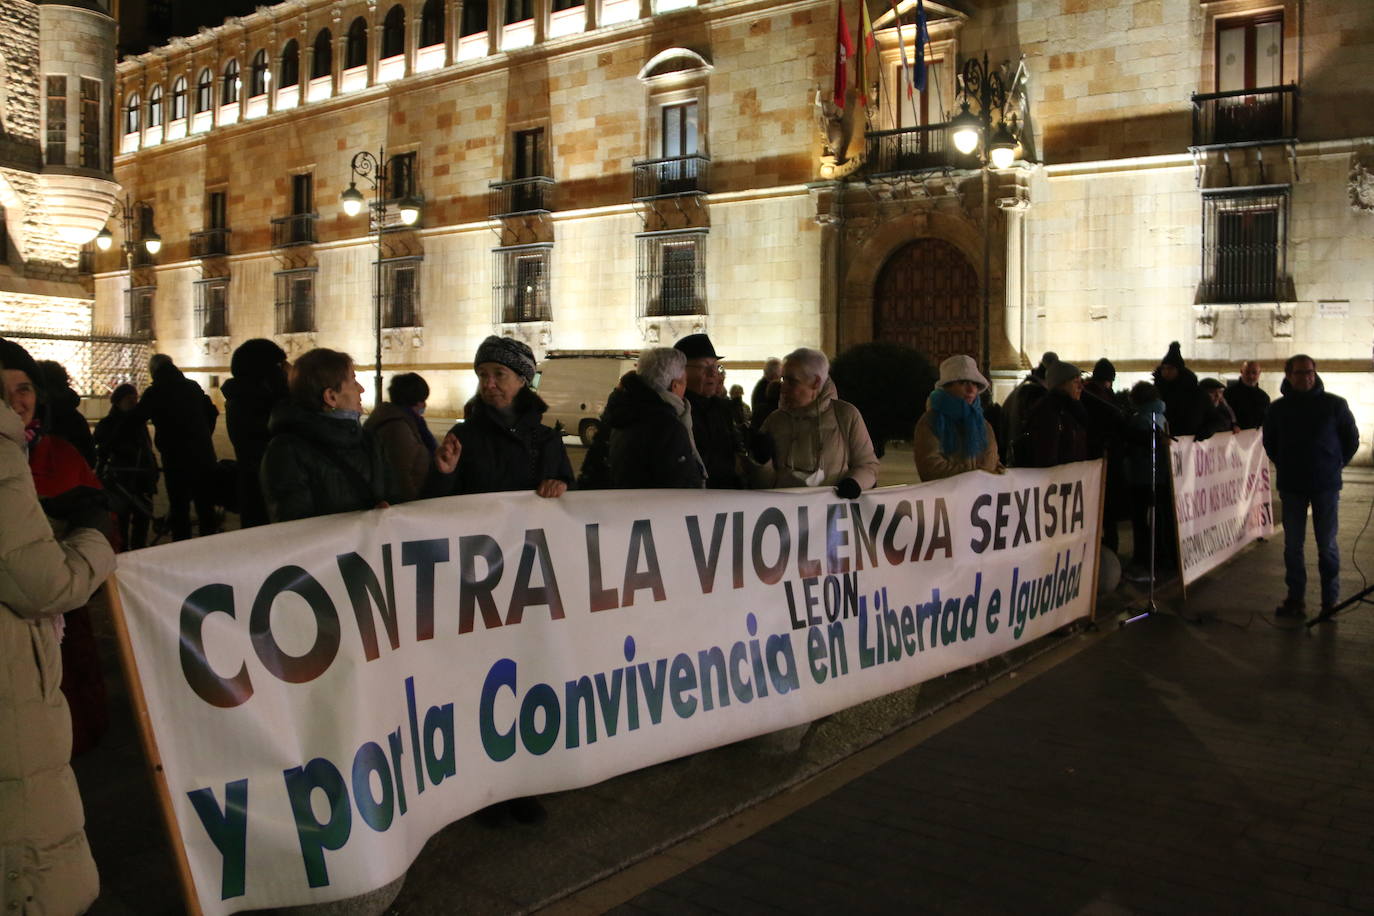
point(1362, 182)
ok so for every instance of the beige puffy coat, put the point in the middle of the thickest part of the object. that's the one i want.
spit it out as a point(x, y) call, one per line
point(828, 434)
point(45, 865)
point(933, 464)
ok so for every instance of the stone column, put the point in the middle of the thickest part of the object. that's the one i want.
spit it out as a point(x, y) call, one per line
point(496, 21)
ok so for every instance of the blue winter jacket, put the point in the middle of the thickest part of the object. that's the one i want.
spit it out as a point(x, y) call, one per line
point(1310, 436)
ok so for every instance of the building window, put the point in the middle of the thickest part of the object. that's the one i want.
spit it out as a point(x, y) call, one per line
point(394, 32)
point(138, 311)
point(291, 63)
point(133, 114)
point(258, 75)
point(355, 47)
point(57, 120)
point(400, 176)
point(560, 5)
point(155, 107)
point(474, 19)
point(432, 23)
point(679, 123)
point(322, 61)
point(212, 307)
point(519, 10)
point(401, 293)
point(522, 284)
point(90, 123)
point(671, 273)
point(528, 156)
point(1250, 52)
point(1244, 245)
point(213, 240)
point(179, 98)
point(229, 91)
point(204, 90)
point(145, 228)
point(295, 301)
point(299, 227)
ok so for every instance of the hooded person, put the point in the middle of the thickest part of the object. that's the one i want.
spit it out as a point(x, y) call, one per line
point(1056, 431)
point(399, 425)
point(650, 425)
point(818, 439)
point(502, 445)
point(65, 418)
point(1178, 389)
point(183, 418)
point(48, 866)
point(952, 436)
point(1022, 400)
point(258, 385)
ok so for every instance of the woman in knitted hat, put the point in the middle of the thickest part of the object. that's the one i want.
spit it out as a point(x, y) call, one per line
point(1057, 429)
point(952, 436)
point(502, 444)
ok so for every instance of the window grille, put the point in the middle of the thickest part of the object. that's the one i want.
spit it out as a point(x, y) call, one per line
point(295, 301)
point(521, 290)
point(138, 311)
point(401, 293)
point(212, 308)
point(671, 273)
point(1244, 245)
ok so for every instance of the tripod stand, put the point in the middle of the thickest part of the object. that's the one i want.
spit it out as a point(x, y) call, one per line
point(1149, 609)
point(1353, 599)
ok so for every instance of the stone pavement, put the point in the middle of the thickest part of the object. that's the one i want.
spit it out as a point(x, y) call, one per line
point(1202, 760)
point(1166, 766)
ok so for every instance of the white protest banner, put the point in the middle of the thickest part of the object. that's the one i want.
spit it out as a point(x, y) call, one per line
point(327, 694)
point(1221, 498)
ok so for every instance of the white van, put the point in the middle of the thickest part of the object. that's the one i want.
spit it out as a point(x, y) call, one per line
point(575, 385)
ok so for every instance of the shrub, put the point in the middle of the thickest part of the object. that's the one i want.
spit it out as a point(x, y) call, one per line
point(889, 383)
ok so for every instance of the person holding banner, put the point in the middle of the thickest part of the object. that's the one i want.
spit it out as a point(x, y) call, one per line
point(320, 460)
point(1310, 435)
point(1056, 430)
point(818, 440)
point(952, 436)
point(502, 442)
point(650, 426)
point(47, 863)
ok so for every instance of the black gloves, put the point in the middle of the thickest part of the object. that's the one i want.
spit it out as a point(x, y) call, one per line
point(81, 507)
point(848, 488)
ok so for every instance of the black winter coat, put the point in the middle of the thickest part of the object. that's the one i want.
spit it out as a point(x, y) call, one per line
point(649, 446)
point(1184, 403)
point(496, 458)
point(184, 418)
point(718, 442)
point(318, 464)
point(1057, 428)
point(1310, 436)
point(247, 411)
point(67, 420)
point(1250, 403)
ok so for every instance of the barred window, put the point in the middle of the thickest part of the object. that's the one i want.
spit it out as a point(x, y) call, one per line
point(1244, 245)
point(295, 301)
point(401, 293)
point(57, 120)
point(212, 307)
point(522, 284)
point(138, 310)
point(671, 273)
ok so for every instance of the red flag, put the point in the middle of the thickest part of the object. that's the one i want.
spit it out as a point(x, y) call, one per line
point(844, 49)
point(867, 42)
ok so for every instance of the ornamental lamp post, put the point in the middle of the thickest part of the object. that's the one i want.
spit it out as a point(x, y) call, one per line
point(374, 170)
point(128, 213)
point(996, 149)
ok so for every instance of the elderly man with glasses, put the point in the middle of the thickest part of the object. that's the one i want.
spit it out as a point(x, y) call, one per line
point(713, 428)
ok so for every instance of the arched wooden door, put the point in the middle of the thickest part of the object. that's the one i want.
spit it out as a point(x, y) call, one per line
point(927, 297)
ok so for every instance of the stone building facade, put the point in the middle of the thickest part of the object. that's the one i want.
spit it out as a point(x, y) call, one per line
point(612, 174)
point(56, 179)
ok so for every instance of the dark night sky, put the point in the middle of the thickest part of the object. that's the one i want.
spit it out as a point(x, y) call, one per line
point(148, 23)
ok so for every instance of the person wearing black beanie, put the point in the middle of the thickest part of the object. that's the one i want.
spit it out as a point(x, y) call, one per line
point(1184, 404)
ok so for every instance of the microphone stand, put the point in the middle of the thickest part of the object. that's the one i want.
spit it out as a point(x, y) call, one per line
point(1149, 609)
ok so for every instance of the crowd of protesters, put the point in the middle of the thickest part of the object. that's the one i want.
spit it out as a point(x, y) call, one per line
point(303, 450)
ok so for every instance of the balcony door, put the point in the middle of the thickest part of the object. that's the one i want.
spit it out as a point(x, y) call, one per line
point(926, 297)
point(1250, 57)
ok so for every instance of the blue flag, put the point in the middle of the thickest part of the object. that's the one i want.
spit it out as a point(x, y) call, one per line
point(922, 41)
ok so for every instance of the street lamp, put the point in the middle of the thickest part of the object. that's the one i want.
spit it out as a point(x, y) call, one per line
point(374, 170)
point(979, 84)
point(129, 212)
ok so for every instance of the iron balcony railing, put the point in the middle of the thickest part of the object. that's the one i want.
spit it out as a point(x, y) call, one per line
point(520, 196)
point(672, 176)
point(905, 150)
point(211, 243)
point(297, 229)
point(1245, 116)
